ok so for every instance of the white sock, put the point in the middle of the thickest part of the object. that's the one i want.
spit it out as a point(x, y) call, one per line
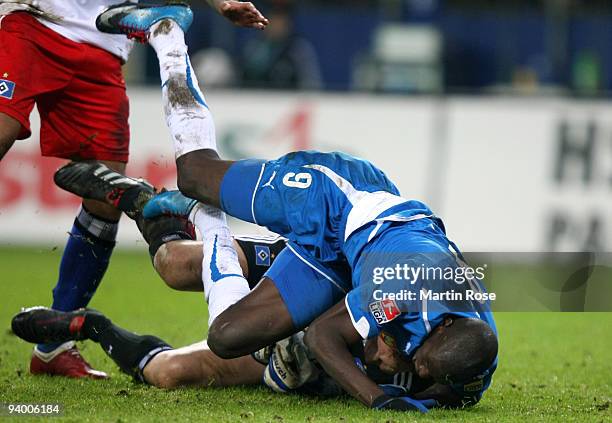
point(192, 128)
point(222, 276)
point(187, 115)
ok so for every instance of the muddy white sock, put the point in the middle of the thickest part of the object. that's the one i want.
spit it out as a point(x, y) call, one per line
point(187, 115)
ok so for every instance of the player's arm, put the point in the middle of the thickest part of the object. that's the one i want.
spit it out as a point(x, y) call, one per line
point(329, 339)
point(239, 13)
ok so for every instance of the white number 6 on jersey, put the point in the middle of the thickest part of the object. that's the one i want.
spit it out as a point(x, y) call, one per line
point(299, 180)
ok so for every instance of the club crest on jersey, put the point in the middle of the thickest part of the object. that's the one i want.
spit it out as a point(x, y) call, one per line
point(384, 311)
point(7, 88)
point(262, 255)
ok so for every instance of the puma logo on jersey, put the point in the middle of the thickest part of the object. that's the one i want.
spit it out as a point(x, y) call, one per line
point(269, 183)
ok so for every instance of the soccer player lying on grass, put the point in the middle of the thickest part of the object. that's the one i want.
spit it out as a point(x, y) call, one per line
point(345, 222)
point(152, 361)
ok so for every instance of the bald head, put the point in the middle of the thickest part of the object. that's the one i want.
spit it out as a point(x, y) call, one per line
point(459, 349)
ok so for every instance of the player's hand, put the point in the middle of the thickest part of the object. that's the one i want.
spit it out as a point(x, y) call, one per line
point(289, 367)
point(393, 390)
point(403, 403)
point(243, 14)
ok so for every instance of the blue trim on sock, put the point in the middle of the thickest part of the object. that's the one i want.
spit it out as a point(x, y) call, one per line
point(215, 274)
point(194, 91)
point(276, 378)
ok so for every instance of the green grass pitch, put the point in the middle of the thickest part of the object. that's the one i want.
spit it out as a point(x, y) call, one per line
point(553, 367)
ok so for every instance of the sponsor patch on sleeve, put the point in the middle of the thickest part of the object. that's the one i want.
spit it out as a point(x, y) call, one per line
point(384, 311)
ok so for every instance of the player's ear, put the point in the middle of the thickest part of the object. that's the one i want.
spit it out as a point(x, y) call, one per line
point(421, 368)
point(448, 321)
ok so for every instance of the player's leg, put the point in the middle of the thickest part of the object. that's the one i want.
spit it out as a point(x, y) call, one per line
point(193, 132)
point(179, 264)
point(144, 357)
point(128, 350)
point(188, 117)
point(293, 292)
point(86, 255)
point(197, 365)
point(28, 73)
point(9, 130)
point(87, 119)
point(176, 255)
point(84, 262)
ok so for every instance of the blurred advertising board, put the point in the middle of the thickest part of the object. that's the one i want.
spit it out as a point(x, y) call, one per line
point(505, 174)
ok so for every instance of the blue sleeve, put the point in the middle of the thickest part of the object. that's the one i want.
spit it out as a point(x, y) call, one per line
point(370, 316)
point(362, 320)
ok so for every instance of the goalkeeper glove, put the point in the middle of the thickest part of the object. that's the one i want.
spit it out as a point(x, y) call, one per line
point(290, 366)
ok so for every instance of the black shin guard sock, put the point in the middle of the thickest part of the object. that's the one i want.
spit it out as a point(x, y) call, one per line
point(94, 324)
point(131, 351)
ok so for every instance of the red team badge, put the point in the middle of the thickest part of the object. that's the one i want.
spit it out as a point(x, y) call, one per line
point(384, 311)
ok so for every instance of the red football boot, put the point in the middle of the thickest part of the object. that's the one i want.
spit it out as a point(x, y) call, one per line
point(64, 361)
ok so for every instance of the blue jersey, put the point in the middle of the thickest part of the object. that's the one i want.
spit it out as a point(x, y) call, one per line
point(316, 200)
point(407, 306)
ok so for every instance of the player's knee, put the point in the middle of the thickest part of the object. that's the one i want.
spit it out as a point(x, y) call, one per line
point(188, 184)
point(170, 373)
point(178, 270)
point(224, 338)
point(199, 175)
point(7, 138)
point(164, 265)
